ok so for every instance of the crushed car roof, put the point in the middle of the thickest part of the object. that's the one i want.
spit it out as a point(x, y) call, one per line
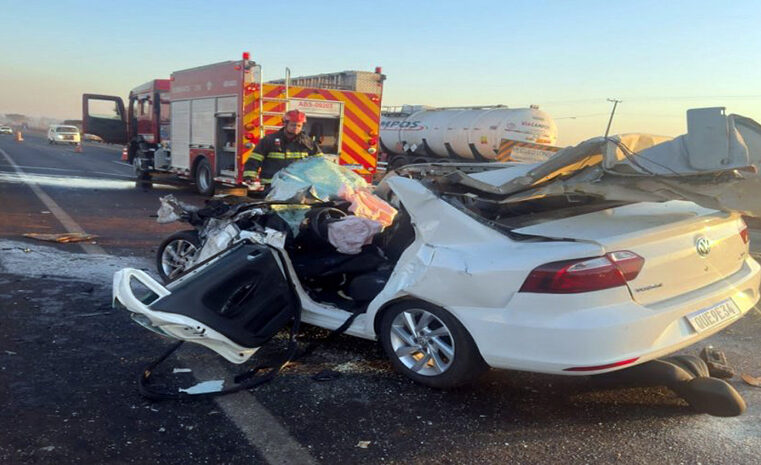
point(714, 165)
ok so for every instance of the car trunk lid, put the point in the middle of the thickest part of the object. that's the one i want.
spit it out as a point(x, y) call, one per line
point(685, 246)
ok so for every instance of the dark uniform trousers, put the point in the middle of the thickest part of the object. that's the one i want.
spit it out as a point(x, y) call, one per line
point(274, 152)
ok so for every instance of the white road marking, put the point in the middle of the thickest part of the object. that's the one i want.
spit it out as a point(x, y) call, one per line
point(260, 427)
point(67, 221)
point(262, 430)
point(44, 168)
point(121, 163)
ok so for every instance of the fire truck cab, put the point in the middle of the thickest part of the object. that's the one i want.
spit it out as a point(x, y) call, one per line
point(143, 124)
point(219, 112)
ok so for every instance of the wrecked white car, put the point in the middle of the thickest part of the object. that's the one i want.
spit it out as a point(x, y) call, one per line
point(612, 253)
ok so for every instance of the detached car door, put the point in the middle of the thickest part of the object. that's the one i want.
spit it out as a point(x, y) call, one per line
point(104, 116)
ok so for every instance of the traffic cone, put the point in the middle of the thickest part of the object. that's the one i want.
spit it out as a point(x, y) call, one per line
point(19, 137)
point(78, 148)
point(124, 154)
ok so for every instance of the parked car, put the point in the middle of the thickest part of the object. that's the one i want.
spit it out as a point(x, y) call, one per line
point(5, 129)
point(60, 134)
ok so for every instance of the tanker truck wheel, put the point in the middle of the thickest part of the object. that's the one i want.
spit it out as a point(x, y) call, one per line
point(204, 178)
point(397, 163)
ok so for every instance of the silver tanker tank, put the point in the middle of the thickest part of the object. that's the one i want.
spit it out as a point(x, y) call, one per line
point(494, 133)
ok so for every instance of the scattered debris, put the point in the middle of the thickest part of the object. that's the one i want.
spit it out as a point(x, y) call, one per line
point(48, 448)
point(717, 363)
point(363, 444)
point(64, 238)
point(182, 370)
point(10, 352)
point(206, 386)
point(752, 380)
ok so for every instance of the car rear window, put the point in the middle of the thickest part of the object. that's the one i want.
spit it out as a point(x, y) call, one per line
point(66, 129)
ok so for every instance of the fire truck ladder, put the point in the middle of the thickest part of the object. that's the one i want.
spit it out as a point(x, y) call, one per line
point(262, 99)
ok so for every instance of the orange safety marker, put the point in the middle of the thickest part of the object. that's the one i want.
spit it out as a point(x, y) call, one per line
point(19, 137)
point(124, 154)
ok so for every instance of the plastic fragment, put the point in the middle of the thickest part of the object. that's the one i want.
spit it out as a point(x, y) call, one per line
point(752, 380)
point(206, 386)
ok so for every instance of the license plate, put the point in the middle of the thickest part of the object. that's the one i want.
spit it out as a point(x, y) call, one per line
point(711, 317)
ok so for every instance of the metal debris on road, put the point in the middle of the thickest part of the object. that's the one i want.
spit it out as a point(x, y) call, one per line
point(363, 444)
point(63, 238)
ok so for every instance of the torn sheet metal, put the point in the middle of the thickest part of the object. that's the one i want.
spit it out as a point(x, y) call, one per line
point(716, 165)
point(172, 209)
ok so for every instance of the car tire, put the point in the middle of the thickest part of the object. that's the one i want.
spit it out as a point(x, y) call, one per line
point(204, 178)
point(429, 345)
point(174, 253)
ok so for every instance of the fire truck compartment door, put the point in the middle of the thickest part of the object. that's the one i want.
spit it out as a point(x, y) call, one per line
point(104, 116)
point(181, 134)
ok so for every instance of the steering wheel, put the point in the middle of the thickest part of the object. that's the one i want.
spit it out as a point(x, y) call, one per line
point(323, 215)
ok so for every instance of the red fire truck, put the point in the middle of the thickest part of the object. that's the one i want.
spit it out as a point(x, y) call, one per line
point(219, 112)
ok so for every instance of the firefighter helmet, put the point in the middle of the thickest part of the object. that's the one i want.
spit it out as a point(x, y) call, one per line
point(295, 116)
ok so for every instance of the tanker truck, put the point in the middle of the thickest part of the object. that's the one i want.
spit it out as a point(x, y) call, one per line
point(420, 134)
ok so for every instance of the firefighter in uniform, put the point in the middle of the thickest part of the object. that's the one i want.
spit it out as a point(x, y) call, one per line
point(278, 150)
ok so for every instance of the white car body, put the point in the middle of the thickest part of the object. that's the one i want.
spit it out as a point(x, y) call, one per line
point(63, 134)
point(6, 129)
point(475, 272)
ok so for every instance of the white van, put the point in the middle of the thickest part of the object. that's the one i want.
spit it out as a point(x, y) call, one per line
point(63, 134)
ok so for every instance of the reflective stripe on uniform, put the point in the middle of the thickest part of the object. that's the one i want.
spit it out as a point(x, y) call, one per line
point(257, 156)
point(276, 155)
point(249, 174)
point(265, 180)
point(296, 155)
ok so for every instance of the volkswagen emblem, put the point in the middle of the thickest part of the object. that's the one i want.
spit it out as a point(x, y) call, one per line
point(703, 246)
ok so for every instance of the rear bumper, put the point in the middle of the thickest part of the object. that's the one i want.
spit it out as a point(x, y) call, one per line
point(551, 333)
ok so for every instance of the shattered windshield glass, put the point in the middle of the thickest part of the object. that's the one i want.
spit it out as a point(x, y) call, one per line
point(316, 177)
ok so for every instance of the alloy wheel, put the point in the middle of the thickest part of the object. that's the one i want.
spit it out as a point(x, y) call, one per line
point(422, 342)
point(176, 257)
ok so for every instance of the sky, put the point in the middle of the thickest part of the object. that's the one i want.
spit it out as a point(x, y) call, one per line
point(659, 58)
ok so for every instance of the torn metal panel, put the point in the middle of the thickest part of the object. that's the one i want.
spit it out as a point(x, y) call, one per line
point(715, 165)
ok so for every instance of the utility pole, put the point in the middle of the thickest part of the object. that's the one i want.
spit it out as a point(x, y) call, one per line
point(613, 112)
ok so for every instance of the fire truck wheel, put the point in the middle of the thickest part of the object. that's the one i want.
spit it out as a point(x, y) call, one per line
point(204, 178)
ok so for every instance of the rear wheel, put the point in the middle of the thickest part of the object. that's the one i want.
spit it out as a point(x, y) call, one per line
point(176, 253)
point(204, 178)
point(427, 344)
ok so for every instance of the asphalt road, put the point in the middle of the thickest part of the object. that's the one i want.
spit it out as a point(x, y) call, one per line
point(68, 365)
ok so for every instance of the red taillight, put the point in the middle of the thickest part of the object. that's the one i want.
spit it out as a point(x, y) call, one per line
point(249, 136)
point(372, 141)
point(745, 234)
point(584, 275)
